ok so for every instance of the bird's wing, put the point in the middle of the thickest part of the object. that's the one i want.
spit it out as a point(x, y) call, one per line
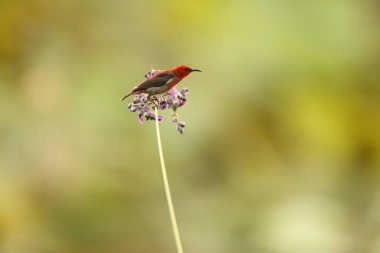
point(156, 81)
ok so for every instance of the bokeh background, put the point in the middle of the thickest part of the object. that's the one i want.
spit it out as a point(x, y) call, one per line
point(282, 149)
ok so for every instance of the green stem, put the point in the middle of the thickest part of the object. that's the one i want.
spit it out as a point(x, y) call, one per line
point(167, 189)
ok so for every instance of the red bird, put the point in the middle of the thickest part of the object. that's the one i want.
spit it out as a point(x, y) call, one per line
point(162, 81)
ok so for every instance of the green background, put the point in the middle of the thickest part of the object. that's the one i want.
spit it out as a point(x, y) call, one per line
point(281, 152)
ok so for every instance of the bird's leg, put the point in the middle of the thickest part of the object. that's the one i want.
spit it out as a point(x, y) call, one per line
point(154, 100)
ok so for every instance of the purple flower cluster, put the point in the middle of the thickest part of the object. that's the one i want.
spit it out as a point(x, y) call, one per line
point(144, 105)
point(151, 73)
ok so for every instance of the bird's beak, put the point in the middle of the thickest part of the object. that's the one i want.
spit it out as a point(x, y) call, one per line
point(196, 70)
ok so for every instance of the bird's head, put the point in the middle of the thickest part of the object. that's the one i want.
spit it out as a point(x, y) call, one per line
point(183, 70)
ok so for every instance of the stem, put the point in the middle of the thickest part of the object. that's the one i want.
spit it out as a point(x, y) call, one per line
point(167, 189)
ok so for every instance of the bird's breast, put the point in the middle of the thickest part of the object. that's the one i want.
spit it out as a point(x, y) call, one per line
point(162, 89)
point(173, 83)
point(158, 90)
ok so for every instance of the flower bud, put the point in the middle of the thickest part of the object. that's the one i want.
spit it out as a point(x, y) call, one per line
point(181, 124)
point(180, 129)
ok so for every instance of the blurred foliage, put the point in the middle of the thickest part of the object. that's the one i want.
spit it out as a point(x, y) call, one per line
point(282, 149)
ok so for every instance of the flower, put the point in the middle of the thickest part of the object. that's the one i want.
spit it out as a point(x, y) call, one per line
point(173, 99)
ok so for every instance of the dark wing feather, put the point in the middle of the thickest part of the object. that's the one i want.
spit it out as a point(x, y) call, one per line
point(156, 81)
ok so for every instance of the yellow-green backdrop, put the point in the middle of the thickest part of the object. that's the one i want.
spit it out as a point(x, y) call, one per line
point(281, 152)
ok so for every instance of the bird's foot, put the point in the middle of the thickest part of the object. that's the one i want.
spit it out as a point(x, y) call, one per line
point(153, 100)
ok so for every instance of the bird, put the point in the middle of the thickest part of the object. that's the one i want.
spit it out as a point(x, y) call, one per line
point(162, 81)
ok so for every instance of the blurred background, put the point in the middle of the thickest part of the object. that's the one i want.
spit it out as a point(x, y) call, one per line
point(282, 149)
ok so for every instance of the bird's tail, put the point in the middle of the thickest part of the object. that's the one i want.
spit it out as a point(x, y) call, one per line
point(126, 96)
